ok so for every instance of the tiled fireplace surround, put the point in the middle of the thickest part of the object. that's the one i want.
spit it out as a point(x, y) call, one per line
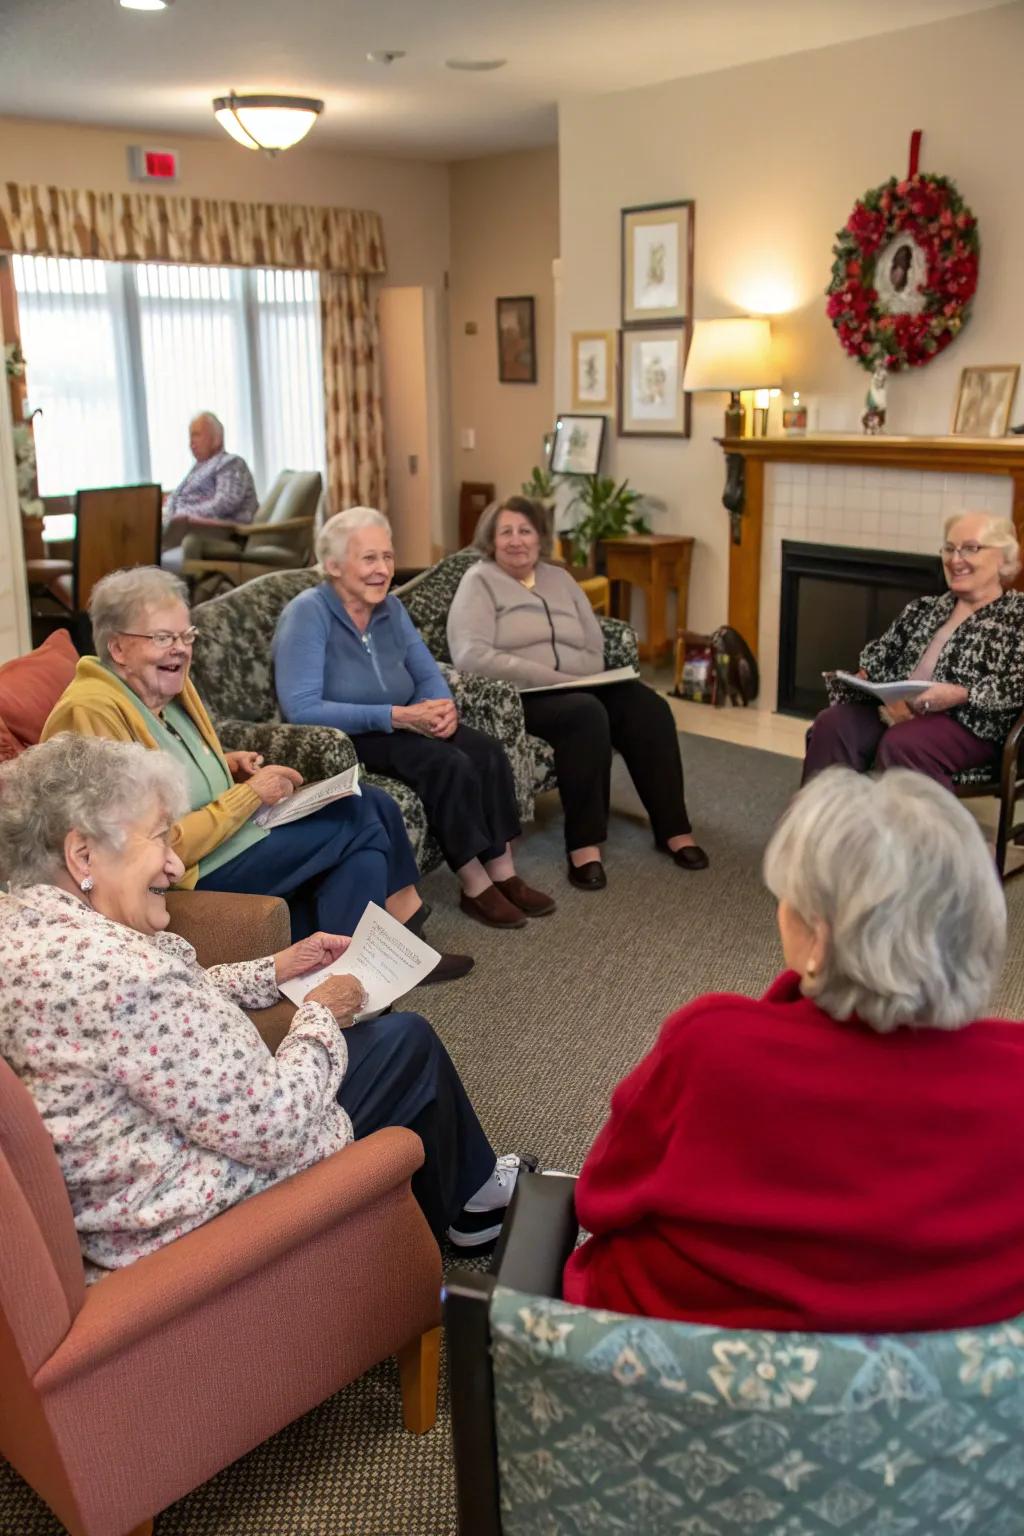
point(853, 506)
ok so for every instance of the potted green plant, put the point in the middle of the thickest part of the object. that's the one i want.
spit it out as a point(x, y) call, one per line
point(541, 487)
point(609, 511)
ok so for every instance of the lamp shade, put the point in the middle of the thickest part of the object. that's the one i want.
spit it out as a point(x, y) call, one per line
point(271, 123)
point(730, 354)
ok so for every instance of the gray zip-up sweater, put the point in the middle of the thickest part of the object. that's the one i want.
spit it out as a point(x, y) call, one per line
point(525, 635)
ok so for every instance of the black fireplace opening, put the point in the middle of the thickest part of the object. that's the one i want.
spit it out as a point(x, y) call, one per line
point(834, 600)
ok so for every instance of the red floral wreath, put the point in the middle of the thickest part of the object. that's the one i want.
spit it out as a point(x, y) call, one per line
point(941, 236)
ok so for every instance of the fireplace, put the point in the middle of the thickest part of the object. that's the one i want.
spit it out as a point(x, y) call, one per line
point(833, 601)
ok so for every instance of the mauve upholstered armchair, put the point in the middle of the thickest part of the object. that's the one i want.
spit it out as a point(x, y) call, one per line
point(118, 1398)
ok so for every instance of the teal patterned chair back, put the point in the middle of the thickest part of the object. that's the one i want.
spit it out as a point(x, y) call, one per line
point(231, 663)
point(609, 1424)
point(428, 597)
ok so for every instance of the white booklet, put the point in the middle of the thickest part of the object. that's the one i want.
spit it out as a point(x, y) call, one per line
point(383, 955)
point(887, 693)
point(595, 680)
point(310, 798)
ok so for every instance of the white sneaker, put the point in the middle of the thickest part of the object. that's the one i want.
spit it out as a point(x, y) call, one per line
point(497, 1191)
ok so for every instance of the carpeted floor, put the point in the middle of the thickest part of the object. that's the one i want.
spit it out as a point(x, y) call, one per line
point(545, 1026)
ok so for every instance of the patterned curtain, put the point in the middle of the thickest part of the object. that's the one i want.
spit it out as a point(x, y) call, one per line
point(352, 394)
point(142, 226)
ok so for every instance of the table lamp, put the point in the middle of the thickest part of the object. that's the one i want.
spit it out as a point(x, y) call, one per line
point(730, 355)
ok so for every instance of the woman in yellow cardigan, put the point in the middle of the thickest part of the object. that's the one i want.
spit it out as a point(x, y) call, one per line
point(327, 866)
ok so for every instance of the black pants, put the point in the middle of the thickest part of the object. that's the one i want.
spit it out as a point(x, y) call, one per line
point(583, 728)
point(399, 1073)
point(465, 784)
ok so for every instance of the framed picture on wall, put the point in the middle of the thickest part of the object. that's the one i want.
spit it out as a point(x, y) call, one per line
point(517, 343)
point(593, 369)
point(651, 398)
point(577, 445)
point(657, 264)
point(984, 400)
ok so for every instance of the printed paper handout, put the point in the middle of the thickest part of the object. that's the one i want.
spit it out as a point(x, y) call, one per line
point(310, 798)
point(383, 955)
point(595, 680)
point(886, 693)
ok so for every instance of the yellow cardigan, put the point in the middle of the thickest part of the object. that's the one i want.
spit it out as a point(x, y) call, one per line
point(94, 705)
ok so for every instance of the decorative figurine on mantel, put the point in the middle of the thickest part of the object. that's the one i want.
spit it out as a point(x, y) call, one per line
point(873, 420)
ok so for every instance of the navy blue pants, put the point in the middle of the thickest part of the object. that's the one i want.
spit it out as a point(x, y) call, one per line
point(399, 1073)
point(327, 866)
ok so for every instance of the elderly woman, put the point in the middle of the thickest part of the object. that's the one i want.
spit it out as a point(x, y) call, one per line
point(347, 655)
point(843, 1153)
point(164, 1105)
point(520, 618)
point(218, 491)
point(327, 866)
point(968, 645)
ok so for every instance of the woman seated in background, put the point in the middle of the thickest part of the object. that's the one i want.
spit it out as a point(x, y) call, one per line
point(968, 644)
point(843, 1153)
point(517, 617)
point(327, 866)
point(347, 655)
point(164, 1105)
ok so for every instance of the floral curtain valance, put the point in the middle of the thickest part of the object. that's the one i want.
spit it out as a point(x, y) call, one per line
point(143, 226)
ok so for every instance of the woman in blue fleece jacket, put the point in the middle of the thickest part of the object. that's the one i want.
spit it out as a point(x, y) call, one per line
point(348, 655)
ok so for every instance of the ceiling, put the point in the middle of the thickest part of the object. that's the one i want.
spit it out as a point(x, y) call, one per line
point(90, 61)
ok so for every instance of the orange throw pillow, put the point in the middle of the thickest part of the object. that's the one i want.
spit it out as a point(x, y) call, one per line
point(31, 685)
point(8, 746)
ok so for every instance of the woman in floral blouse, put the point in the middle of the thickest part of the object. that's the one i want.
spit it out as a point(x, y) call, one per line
point(163, 1103)
point(968, 645)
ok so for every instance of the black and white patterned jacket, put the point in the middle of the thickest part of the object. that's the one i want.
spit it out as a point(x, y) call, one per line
point(985, 655)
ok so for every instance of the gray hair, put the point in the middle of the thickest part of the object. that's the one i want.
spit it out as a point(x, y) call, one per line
point(899, 871)
point(215, 423)
point(117, 601)
point(78, 783)
point(1000, 533)
point(332, 540)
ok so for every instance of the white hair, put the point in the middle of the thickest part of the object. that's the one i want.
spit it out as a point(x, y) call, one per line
point(332, 540)
point(997, 531)
point(78, 783)
point(215, 423)
point(900, 873)
point(118, 601)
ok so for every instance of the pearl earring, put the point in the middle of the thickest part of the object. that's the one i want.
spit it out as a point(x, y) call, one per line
point(86, 885)
point(811, 969)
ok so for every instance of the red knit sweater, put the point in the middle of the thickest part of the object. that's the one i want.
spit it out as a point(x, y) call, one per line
point(767, 1167)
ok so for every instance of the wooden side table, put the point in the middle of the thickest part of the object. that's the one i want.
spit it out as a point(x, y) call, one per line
point(654, 562)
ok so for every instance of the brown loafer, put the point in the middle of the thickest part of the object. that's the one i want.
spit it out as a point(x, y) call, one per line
point(533, 903)
point(493, 908)
point(448, 968)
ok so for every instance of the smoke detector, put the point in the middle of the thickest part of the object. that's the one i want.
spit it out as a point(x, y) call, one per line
point(385, 55)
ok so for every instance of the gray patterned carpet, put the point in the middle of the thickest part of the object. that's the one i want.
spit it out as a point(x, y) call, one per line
point(542, 1030)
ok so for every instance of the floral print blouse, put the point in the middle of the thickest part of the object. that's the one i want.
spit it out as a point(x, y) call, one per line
point(164, 1105)
point(985, 655)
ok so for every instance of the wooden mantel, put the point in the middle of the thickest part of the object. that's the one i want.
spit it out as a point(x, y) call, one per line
point(747, 456)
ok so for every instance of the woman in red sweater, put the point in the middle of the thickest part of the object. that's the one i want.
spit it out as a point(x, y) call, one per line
point(846, 1152)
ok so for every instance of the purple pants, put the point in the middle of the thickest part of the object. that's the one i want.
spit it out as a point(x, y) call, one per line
point(853, 736)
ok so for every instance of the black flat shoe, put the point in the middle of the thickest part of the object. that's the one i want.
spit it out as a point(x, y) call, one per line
point(448, 968)
point(587, 877)
point(690, 857)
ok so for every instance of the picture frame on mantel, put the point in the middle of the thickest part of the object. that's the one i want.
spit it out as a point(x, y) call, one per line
point(657, 264)
point(984, 400)
point(651, 398)
point(517, 341)
point(593, 370)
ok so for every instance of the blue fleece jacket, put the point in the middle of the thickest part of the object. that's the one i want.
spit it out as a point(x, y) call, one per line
point(327, 673)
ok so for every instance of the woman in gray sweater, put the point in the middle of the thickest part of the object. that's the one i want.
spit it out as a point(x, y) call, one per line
point(520, 618)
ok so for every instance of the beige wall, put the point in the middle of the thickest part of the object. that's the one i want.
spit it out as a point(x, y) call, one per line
point(504, 212)
point(775, 155)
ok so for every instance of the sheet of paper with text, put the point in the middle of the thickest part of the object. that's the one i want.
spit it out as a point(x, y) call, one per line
point(383, 955)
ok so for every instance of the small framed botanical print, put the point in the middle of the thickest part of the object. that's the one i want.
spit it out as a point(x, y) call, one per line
point(651, 398)
point(657, 264)
point(984, 400)
point(576, 446)
point(593, 369)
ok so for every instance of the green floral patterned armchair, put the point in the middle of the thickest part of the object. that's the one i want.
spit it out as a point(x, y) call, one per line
point(601, 1423)
point(232, 669)
point(428, 598)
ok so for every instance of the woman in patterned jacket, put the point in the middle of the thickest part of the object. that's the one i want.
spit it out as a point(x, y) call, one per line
point(164, 1105)
point(968, 645)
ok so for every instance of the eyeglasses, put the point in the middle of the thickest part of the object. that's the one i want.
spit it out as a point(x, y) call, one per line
point(947, 551)
point(163, 639)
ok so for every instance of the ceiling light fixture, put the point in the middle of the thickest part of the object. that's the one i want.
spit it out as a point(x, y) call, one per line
point(146, 5)
point(475, 65)
point(270, 123)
